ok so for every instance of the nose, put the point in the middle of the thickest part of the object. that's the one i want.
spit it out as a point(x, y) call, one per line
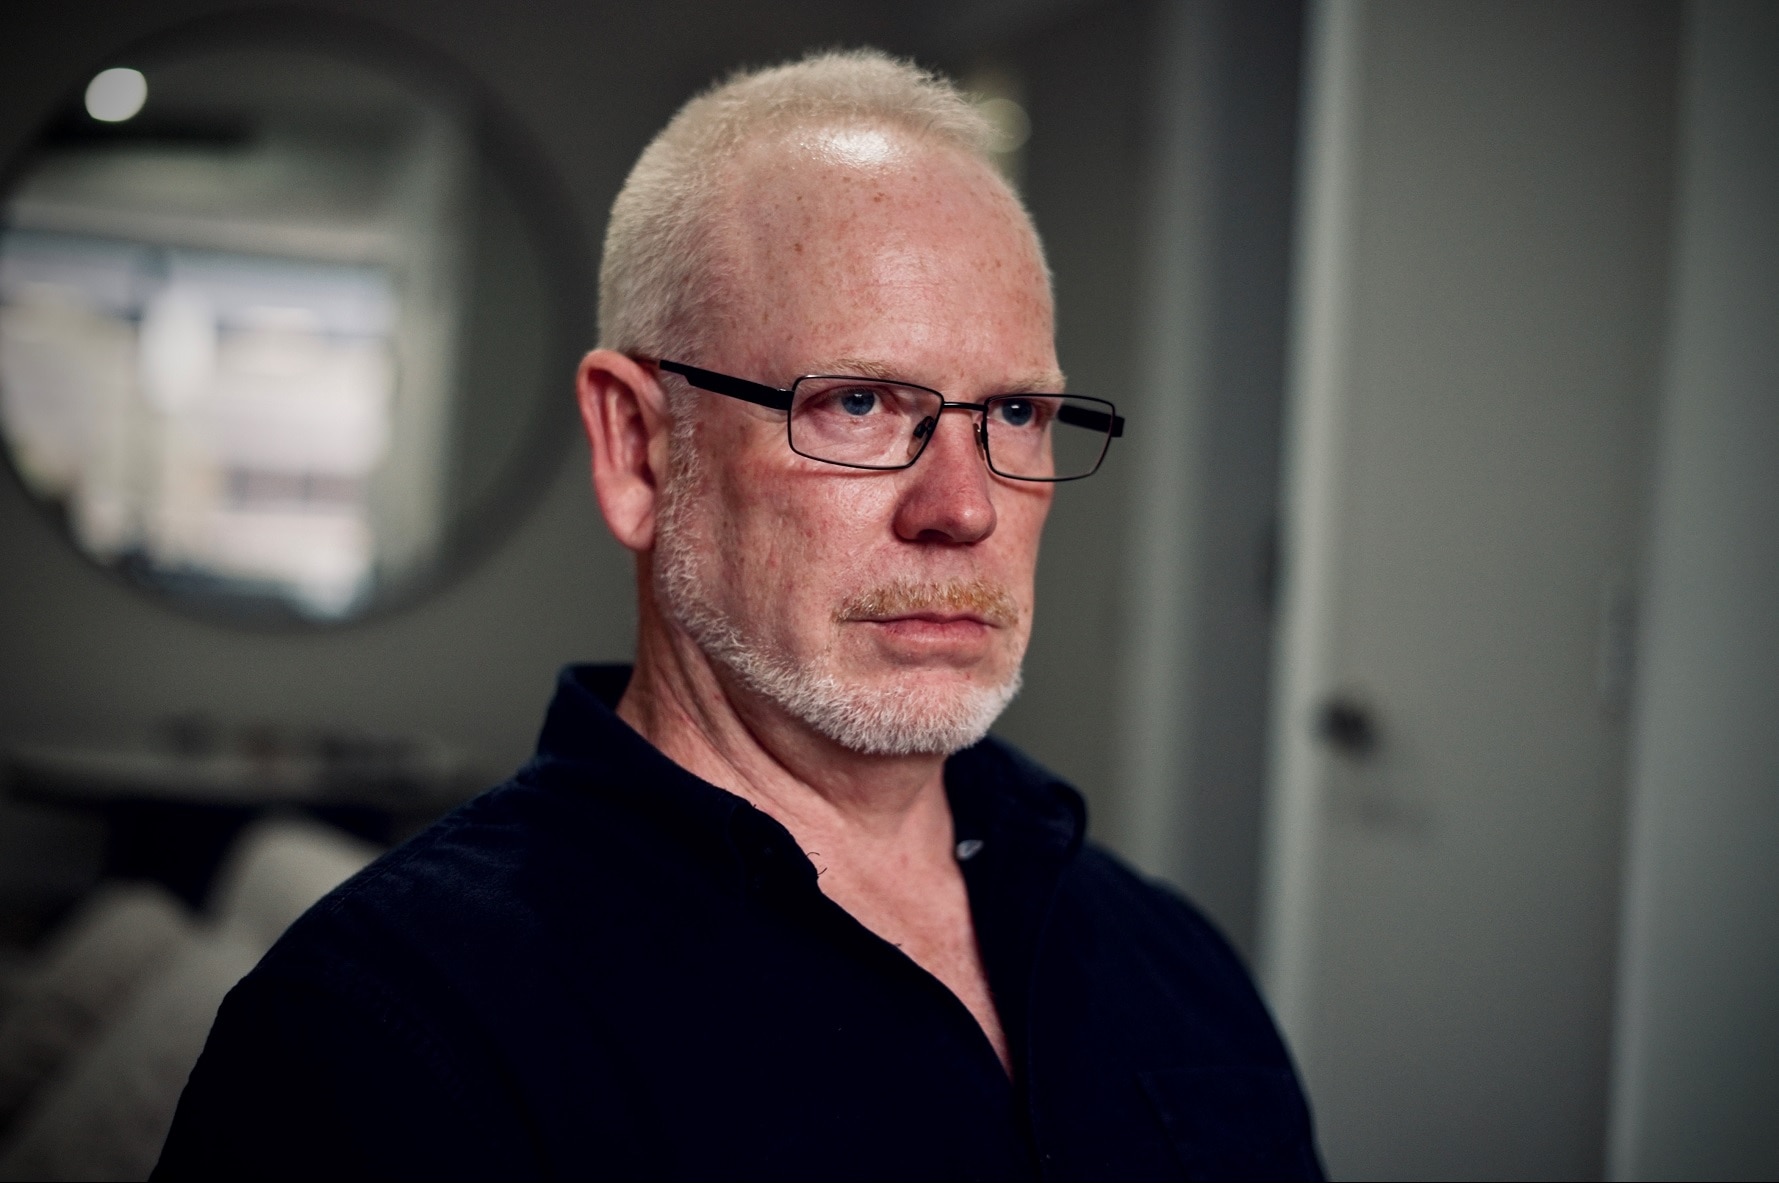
point(946, 497)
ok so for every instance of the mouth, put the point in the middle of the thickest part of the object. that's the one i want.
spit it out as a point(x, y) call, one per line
point(965, 607)
point(930, 618)
point(948, 637)
point(954, 623)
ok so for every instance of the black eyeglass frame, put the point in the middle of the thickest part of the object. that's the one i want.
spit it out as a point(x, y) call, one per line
point(783, 399)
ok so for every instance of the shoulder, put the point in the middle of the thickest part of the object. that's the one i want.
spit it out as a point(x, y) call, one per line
point(1157, 916)
point(487, 881)
point(379, 1030)
point(465, 872)
point(1139, 946)
point(1128, 940)
point(408, 944)
point(542, 896)
point(1095, 880)
point(1149, 908)
point(1143, 1004)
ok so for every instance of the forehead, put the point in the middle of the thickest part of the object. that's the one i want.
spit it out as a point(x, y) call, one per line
point(866, 242)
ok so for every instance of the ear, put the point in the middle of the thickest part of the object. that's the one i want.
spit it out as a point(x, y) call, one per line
point(625, 413)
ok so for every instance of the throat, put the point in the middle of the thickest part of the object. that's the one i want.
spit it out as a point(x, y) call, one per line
point(927, 916)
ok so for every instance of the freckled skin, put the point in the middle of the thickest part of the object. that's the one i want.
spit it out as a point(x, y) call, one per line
point(871, 247)
point(921, 262)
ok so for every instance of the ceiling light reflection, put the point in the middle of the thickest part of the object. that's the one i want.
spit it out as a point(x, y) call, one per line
point(116, 94)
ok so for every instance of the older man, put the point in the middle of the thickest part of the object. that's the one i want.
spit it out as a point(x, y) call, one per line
point(770, 905)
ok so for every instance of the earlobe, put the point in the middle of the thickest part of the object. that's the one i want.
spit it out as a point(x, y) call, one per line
point(625, 416)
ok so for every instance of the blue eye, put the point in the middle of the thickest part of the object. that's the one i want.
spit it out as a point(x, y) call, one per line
point(858, 402)
point(1018, 412)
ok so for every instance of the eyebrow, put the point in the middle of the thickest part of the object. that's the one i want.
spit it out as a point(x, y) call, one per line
point(864, 367)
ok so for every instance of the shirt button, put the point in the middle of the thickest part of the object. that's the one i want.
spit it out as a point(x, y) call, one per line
point(966, 850)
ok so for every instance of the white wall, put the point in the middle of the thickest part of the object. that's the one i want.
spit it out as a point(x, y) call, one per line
point(1481, 296)
point(1697, 1049)
point(1222, 96)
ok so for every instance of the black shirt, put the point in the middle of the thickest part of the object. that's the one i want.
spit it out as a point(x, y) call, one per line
point(607, 967)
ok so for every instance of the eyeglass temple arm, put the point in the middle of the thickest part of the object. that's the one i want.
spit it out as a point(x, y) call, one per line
point(1074, 416)
point(780, 400)
point(753, 392)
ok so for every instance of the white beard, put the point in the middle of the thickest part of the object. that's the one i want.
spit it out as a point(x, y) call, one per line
point(893, 719)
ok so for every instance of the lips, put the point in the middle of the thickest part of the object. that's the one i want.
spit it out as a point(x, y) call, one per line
point(931, 618)
point(926, 634)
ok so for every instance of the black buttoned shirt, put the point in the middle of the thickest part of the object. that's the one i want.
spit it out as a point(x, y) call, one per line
point(607, 968)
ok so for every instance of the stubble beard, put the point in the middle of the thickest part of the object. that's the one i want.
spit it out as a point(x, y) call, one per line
point(872, 718)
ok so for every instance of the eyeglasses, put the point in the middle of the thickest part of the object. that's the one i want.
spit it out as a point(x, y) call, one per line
point(871, 423)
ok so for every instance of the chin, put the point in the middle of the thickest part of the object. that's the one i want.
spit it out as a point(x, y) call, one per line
point(934, 712)
point(893, 710)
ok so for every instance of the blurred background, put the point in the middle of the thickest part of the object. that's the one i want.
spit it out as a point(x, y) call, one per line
point(1424, 628)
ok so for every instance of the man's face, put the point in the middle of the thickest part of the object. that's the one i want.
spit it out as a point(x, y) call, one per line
point(889, 609)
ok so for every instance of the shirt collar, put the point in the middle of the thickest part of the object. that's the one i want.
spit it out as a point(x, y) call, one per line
point(1003, 802)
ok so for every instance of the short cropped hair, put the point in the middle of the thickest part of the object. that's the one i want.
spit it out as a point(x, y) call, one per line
point(660, 282)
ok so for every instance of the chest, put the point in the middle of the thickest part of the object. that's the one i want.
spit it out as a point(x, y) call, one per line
point(786, 1044)
point(682, 1033)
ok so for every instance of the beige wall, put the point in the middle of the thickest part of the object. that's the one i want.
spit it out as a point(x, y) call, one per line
point(1481, 299)
point(1696, 1063)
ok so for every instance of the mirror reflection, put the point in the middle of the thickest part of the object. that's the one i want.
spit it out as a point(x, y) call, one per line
point(273, 330)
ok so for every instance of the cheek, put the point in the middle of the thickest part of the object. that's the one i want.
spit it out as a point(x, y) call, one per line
point(824, 527)
point(789, 541)
point(1022, 518)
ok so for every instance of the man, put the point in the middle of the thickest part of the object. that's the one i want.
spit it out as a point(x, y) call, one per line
point(770, 905)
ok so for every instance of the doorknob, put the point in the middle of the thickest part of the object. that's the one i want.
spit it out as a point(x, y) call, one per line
point(1348, 726)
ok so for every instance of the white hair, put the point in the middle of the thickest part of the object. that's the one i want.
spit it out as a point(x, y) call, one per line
point(661, 287)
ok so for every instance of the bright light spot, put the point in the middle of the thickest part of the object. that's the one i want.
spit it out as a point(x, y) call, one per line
point(116, 94)
point(1012, 126)
point(858, 146)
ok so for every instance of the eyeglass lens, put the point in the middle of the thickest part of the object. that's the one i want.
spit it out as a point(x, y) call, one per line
point(868, 423)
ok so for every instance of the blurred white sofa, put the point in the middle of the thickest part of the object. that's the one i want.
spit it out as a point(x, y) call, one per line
point(102, 1034)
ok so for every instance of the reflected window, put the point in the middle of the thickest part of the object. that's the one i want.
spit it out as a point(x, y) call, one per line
point(212, 417)
point(234, 314)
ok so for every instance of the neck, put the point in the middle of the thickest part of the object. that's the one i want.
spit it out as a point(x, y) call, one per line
point(701, 718)
point(877, 828)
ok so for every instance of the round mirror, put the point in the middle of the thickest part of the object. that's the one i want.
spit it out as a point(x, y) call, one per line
point(284, 323)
